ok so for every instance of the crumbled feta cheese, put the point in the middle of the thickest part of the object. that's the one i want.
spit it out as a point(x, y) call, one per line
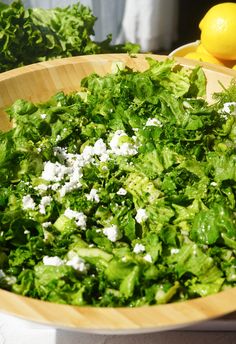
point(88, 154)
point(43, 115)
point(138, 248)
point(68, 187)
point(55, 186)
point(71, 214)
point(28, 202)
point(153, 122)
point(141, 215)
point(76, 174)
point(41, 187)
point(174, 251)
point(121, 147)
point(45, 201)
point(112, 233)
point(230, 108)
point(126, 149)
point(99, 147)
point(213, 184)
point(54, 172)
point(104, 157)
point(77, 263)
point(121, 192)
point(79, 217)
point(148, 258)
point(54, 261)
point(60, 151)
point(93, 196)
point(26, 231)
point(46, 224)
point(75, 160)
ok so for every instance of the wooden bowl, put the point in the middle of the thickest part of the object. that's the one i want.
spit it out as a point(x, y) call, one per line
point(37, 83)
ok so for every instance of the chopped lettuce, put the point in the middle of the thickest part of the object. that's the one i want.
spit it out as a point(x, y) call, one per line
point(122, 193)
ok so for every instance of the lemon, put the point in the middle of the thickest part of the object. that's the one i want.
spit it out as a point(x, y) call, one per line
point(203, 57)
point(234, 67)
point(218, 30)
point(202, 50)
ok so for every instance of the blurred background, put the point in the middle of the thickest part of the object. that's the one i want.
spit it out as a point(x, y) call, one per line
point(157, 25)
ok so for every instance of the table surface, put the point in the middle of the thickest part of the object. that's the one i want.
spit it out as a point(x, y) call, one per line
point(219, 331)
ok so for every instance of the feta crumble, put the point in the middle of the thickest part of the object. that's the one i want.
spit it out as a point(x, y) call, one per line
point(153, 122)
point(122, 144)
point(121, 192)
point(45, 201)
point(77, 263)
point(28, 203)
point(41, 187)
point(87, 155)
point(46, 224)
point(174, 251)
point(54, 261)
point(213, 184)
point(93, 196)
point(138, 248)
point(141, 215)
point(230, 108)
point(68, 187)
point(112, 233)
point(79, 217)
point(54, 172)
point(100, 147)
point(148, 258)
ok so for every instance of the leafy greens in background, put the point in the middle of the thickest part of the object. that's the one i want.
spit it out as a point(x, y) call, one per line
point(180, 174)
point(32, 35)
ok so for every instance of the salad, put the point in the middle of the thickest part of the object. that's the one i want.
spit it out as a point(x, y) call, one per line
point(121, 193)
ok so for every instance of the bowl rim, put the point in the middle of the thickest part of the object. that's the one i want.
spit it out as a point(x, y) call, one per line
point(120, 320)
point(188, 46)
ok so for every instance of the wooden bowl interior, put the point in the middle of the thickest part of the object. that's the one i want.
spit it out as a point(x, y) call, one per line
point(39, 82)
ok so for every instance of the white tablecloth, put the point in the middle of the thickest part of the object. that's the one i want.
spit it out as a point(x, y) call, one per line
point(17, 331)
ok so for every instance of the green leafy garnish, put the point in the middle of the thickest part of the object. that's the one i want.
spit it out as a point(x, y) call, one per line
point(36, 34)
